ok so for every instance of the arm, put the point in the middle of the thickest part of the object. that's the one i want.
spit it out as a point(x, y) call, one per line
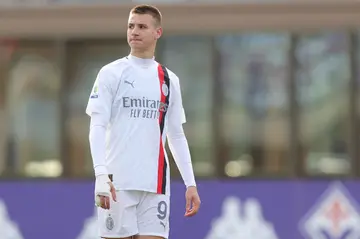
point(97, 139)
point(99, 109)
point(180, 149)
point(177, 140)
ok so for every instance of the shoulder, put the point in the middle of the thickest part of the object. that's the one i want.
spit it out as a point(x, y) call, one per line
point(111, 72)
point(115, 67)
point(174, 79)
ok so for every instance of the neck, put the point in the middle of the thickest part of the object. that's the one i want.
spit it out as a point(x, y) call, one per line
point(143, 55)
point(148, 54)
point(141, 61)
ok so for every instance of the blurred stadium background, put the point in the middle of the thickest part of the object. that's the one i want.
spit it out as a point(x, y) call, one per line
point(271, 91)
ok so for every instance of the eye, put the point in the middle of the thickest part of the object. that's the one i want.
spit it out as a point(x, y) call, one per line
point(131, 26)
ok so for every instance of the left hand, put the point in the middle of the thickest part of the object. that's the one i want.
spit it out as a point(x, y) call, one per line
point(192, 201)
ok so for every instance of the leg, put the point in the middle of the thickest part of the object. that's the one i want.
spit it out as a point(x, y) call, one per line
point(153, 216)
point(120, 221)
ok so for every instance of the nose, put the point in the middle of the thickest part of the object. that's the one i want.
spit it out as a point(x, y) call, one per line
point(135, 31)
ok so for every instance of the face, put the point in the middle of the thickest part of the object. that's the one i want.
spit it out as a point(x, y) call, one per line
point(142, 32)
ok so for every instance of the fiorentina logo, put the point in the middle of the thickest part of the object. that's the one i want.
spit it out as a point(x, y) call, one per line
point(335, 216)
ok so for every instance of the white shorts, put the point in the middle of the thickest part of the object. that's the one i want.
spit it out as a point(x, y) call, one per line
point(135, 213)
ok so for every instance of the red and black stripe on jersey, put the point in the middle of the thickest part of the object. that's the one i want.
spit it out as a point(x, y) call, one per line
point(164, 99)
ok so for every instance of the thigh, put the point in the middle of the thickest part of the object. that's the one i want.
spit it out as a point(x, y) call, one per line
point(120, 220)
point(153, 216)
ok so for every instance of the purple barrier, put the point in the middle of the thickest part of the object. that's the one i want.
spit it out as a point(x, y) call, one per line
point(230, 210)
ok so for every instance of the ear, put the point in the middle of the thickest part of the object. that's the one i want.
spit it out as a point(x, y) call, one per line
point(159, 32)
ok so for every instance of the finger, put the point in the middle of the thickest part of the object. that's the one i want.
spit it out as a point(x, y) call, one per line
point(188, 208)
point(191, 212)
point(194, 210)
point(107, 203)
point(196, 207)
point(188, 204)
point(102, 202)
point(113, 193)
point(197, 202)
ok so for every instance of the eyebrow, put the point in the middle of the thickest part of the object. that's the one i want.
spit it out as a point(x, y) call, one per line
point(132, 23)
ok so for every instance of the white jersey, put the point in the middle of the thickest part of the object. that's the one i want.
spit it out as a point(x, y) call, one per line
point(141, 100)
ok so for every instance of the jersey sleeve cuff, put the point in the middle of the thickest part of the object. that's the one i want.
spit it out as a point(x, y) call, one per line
point(100, 170)
point(190, 183)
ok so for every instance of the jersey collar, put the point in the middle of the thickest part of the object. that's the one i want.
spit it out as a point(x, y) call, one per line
point(141, 61)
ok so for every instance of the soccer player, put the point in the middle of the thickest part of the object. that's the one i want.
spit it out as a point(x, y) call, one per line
point(135, 105)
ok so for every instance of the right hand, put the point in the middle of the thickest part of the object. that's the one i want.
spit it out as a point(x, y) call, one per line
point(104, 189)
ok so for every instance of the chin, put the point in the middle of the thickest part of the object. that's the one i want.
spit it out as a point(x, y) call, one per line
point(138, 47)
point(136, 44)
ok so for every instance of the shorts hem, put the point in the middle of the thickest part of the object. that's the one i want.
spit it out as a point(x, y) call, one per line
point(164, 235)
point(141, 190)
point(136, 189)
point(118, 235)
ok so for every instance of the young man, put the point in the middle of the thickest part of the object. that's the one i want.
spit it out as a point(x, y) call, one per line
point(134, 106)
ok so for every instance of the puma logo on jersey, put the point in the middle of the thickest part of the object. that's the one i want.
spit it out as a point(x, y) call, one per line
point(163, 224)
point(130, 83)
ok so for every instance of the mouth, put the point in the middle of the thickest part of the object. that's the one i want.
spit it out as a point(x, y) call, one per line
point(135, 40)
